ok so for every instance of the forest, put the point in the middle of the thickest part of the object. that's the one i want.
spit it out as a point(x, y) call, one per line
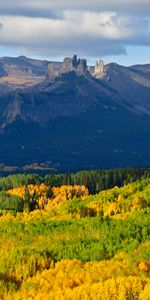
point(75, 236)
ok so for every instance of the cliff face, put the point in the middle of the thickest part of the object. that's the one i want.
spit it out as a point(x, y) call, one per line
point(99, 71)
point(21, 71)
point(69, 64)
point(22, 66)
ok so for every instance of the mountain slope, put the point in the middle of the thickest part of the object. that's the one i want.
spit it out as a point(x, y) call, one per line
point(21, 72)
point(77, 121)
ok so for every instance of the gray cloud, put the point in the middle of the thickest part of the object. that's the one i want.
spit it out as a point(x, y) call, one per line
point(59, 28)
point(132, 6)
point(29, 12)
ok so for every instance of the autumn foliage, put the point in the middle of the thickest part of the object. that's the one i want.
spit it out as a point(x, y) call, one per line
point(48, 197)
point(69, 245)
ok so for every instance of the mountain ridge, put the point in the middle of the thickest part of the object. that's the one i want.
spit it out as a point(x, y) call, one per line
point(76, 116)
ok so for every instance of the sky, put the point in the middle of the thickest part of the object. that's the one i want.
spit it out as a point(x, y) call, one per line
point(112, 30)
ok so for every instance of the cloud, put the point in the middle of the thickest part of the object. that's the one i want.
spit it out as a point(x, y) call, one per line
point(63, 27)
point(90, 33)
point(25, 7)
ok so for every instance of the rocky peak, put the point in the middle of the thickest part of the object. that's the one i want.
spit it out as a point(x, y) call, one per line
point(68, 65)
point(81, 66)
point(99, 70)
point(74, 64)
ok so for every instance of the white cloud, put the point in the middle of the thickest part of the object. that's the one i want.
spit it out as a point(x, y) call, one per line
point(73, 29)
point(63, 27)
point(108, 25)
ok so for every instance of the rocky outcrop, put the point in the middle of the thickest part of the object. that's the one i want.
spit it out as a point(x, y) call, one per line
point(69, 64)
point(81, 66)
point(99, 70)
point(53, 70)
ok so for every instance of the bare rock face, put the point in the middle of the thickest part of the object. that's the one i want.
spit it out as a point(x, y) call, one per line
point(69, 64)
point(99, 70)
point(81, 66)
point(53, 70)
point(13, 109)
point(23, 66)
point(21, 71)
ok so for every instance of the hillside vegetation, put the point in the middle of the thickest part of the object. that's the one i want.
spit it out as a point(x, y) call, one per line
point(61, 242)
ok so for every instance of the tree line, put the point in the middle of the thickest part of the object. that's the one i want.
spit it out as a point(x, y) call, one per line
point(94, 180)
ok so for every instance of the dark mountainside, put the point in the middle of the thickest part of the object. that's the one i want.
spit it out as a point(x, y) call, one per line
point(72, 116)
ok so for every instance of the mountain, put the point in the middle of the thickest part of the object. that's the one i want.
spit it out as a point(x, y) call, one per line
point(73, 116)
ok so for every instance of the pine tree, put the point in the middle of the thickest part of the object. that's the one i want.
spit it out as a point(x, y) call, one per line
point(27, 199)
point(49, 193)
